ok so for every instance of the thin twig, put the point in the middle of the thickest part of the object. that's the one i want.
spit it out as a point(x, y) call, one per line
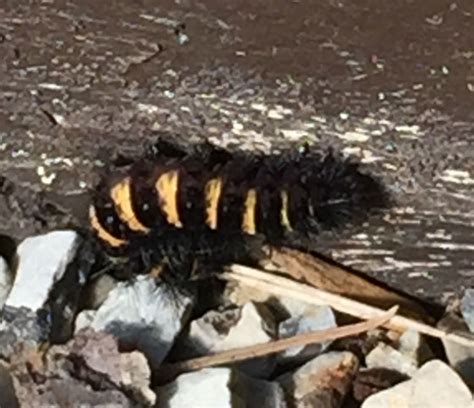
point(331, 277)
point(271, 283)
point(263, 349)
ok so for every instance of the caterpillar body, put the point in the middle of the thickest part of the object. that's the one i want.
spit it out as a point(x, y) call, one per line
point(176, 207)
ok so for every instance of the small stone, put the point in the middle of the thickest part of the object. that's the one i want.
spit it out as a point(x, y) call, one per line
point(142, 315)
point(85, 319)
point(21, 325)
point(42, 261)
point(219, 387)
point(461, 358)
point(434, 385)
point(412, 345)
point(354, 136)
point(7, 390)
point(182, 38)
point(412, 351)
point(5, 281)
point(99, 352)
point(275, 114)
point(219, 331)
point(386, 356)
point(294, 134)
point(313, 319)
point(136, 376)
point(59, 378)
point(467, 308)
point(322, 382)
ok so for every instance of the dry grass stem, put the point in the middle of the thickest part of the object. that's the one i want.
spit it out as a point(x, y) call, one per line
point(259, 350)
point(277, 285)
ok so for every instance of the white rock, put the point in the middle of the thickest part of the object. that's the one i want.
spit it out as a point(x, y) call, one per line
point(354, 136)
point(461, 358)
point(302, 318)
point(42, 261)
point(322, 382)
point(142, 315)
point(247, 326)
point(413, 345)
point(220, 331)
point(294, 134)
point(219, 388)
point(467, 308)
point(5, 281)
point(411, 353)
point(435, 385)
point(314, 318)
point(136, 376)
point(85, 319)
point(386, 356)
point(242, 294)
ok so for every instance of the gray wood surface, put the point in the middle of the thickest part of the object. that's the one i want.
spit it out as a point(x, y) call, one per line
point(389, 82)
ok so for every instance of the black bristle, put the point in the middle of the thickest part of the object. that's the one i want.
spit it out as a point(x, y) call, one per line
point(321, 192)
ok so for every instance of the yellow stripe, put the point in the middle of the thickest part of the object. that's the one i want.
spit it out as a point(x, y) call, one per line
point(285, 221)
point(248, 220)
point(101, 232)
point(212, 193)
point(167, 189)
point(122, 198)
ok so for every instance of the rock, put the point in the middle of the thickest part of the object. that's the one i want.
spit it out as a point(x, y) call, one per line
point(412, 351)
point(69, 294)
point(413, 345)
point(21, 325)
point(85, 319)
point(386, 356)
point(87, 371)
point(68, 393)
point(142, 315)
point(220, 331)
point(322, 382)
point(98, 290)
point(7, 389)
point(136, 376)
point(434, 385)
point(373, 380)
point(295, 317)
point(98, 351)
point(461, 358)
point(42, 261)
point(5, 281)
point(219, 387)
point(312, 319)
point(467, 308)
point(242, 294)
point(59, 378)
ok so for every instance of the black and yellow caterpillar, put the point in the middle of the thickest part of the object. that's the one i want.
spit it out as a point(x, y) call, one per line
point(177, 207)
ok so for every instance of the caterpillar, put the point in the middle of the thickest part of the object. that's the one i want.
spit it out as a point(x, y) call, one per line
point(205, 205)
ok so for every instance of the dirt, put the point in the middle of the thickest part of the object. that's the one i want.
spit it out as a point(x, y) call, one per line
point(389, 82)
